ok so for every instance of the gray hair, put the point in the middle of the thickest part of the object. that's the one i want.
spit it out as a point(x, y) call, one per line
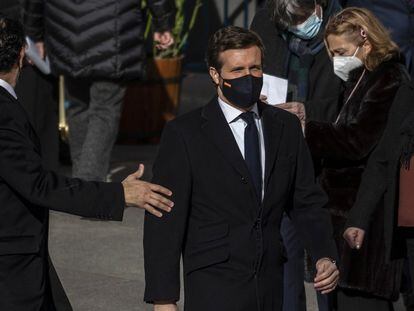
point(286, 13)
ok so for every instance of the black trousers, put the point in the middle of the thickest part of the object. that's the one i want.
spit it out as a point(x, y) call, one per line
point(349, 300)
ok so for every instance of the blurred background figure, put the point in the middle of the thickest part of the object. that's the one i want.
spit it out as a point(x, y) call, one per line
point(398, 17)
point(369, 62)
point(96, 45)
point(292, 32)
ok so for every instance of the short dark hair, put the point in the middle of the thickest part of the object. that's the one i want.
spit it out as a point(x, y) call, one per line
point(230, 38)
point(12, 40)
point(286, 13)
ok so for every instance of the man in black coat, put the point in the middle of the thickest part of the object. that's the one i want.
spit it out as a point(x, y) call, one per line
point(235, 166)
point(28, 191)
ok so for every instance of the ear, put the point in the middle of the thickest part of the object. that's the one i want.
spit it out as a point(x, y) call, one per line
point(367, 47)
point(319, 10)
point(215, 76)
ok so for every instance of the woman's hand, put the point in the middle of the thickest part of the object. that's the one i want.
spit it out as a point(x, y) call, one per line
point(354, 237)
point(297, 109)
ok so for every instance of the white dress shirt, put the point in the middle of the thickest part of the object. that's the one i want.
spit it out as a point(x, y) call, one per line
point(8, 88)
point(238, 125)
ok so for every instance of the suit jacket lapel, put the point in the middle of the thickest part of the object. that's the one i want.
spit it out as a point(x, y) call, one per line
point(272, 133)
point(219, 133)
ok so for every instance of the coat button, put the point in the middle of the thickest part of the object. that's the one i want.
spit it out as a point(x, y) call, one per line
point(244, 180)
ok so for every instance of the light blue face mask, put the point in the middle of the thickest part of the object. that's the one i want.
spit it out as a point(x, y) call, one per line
point(309, 28)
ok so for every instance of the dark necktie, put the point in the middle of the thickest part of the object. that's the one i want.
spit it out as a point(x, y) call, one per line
point(252, 152)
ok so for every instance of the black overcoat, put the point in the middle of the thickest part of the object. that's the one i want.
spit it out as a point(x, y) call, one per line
point(231, 244)
point(343, 149)
point(379, 185)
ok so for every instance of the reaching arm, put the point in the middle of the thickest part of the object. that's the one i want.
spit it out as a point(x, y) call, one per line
point(356, 138)
point(22, 170)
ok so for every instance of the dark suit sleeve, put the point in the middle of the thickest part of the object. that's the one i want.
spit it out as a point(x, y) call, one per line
point(374, 180)
point(163, 16)
point(308, 214)
point(163, 238)
point(22, 171)
point(355, 139)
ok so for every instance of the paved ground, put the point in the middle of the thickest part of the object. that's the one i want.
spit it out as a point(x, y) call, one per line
point(101, 263)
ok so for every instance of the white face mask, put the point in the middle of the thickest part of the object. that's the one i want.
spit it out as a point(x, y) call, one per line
point(343, 65)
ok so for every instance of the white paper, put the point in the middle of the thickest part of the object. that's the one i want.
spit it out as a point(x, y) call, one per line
point(33, 54)
point(275, 89)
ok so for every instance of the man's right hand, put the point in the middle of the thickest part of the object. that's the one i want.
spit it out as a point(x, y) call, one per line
point(145, 195)
point(165, 307)
point(354, 237)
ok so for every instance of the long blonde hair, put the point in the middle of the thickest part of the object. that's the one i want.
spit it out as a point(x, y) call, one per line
point(360, 25)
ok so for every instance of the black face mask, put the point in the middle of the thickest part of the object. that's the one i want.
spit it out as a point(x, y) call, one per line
point(242, 92)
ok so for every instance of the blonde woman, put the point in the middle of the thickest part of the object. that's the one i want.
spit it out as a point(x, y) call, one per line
point(369, 63)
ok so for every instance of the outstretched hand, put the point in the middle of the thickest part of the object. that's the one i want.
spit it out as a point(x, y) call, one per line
point(145, 195)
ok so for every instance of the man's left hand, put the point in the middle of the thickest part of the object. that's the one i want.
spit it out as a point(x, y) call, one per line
point(327, 276)
point(164, 39)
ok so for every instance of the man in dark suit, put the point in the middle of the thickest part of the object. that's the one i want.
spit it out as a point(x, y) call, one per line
point(28, 191)
point(235, 166)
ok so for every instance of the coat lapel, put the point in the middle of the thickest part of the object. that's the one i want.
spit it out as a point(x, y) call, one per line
point(272, 133)
point(216, 129)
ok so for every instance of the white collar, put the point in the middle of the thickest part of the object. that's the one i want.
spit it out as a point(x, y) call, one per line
point(231, 114)
point(8, 88)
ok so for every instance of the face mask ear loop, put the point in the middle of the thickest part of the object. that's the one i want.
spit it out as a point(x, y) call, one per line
point(356, 51)
point(352, 93)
